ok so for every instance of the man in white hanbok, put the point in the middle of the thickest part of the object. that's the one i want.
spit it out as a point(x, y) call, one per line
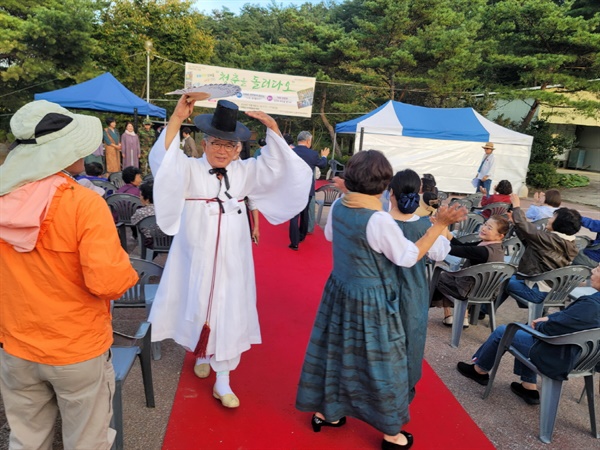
point(208, 283)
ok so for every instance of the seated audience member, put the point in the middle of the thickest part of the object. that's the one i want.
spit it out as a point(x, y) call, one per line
point(93, 171)
point(545, 203)
point(589, 257)
point(88, 184)
point(553, 361)
point(502, 195)
point(545, 250)
point(489, 249)
point(429, 202)
point(132, 176)
point(146, 210)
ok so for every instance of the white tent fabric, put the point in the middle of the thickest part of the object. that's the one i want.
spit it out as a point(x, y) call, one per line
point(445, 142)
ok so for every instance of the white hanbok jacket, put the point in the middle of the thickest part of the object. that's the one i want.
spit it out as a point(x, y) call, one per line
point(278, 183)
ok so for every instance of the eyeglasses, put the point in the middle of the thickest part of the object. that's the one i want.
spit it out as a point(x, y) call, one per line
point(228, 146)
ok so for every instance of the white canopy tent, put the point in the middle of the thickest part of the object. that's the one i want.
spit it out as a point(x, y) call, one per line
point(445, 142)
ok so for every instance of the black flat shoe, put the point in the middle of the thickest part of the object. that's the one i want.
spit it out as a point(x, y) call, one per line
point(387, 445)
point(293, 247)
point(317, 423)
point(468, 370)
point(530, 396)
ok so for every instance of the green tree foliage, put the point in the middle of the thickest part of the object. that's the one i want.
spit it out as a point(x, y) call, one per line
point(297, 41)
point(423, 51)
point(175, 31)
point(546, 147)
point(44, 45)
point(546, 144)
point(542, 43)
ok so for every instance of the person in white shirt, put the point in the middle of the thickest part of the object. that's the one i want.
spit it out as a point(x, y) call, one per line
point(206, 300)
point(486, 169)
point(544, 206)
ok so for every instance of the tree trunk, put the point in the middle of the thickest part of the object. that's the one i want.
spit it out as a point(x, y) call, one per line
point(532, 110)
point(336, 151)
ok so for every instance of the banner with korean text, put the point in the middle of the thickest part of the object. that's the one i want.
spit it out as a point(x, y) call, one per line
point(286, 95)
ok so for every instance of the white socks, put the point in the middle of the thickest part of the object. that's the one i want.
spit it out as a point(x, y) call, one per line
point(202, 361)
point(222, 384)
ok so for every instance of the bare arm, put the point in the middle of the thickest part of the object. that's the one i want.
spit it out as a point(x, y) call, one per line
point(183, 110)
point(255, 228)
point(265, 119)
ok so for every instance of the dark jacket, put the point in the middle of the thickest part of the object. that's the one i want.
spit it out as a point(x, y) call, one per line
point(592, 225)
point(557, 361)
point(312, 158)
point(544, 250)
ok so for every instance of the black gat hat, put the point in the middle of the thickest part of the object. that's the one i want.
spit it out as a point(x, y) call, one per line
point(223, 123)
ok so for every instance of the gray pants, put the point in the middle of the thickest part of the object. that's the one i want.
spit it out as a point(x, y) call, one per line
point(583, 260)
point(311, 215)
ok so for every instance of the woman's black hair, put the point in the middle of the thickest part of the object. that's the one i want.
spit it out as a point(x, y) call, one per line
point(428, 176)
point(146, 189)
point(567, 221)
point(504, 187)
point(406, 185)
point(94, 169)
point(129, 174)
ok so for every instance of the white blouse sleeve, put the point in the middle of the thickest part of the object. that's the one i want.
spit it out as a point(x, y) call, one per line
point(328, 227)
point(440, 249)
point(384, 236)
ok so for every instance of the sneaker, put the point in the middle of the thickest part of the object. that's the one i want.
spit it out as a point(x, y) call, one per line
point(468, 370)
point(448, 321)
point(531, 397)
point(466, 322)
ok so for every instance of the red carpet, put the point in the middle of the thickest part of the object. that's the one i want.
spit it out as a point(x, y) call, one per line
point(289, 290)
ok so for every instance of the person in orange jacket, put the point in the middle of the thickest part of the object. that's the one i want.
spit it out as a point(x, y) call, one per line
point(60, 265)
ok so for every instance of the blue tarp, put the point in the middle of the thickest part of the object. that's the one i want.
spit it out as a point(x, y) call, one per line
point(457, 124)
point(103, 93)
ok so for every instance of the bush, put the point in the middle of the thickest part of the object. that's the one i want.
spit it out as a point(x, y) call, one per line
point(343, 159)
point(571, 180)
point(542, 175)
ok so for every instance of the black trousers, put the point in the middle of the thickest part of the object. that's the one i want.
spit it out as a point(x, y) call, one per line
point(299, 225)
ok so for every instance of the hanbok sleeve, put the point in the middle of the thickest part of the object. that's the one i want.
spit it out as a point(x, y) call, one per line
point(171, 179)
point(281, 182)
point(384, 236)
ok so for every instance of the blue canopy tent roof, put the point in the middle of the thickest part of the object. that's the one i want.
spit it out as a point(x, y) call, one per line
point(103, 93)
point(457, 124)
point(445, 142)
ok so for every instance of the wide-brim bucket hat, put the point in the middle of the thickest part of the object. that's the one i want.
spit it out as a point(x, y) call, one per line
point(223, 123)
point(49, 138)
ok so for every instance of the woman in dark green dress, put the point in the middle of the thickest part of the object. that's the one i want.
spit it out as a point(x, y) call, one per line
point(413, 283)
point(356, 362)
